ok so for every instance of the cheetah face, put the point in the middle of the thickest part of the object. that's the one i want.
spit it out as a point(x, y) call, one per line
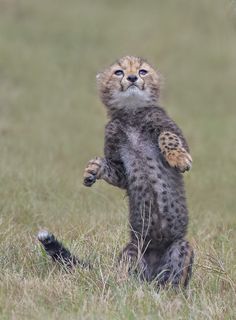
point(130, 82)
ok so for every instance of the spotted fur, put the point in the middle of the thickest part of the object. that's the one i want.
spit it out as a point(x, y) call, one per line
point(145, 153)
point(172, 149)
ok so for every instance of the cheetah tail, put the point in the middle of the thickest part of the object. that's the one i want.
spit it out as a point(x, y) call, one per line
point(58, 252)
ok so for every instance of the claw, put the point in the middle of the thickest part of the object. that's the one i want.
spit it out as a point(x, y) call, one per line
point(89, 181)
point(187, 166)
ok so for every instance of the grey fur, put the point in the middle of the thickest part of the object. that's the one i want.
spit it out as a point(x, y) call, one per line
point(145, 154)
point(158, 212)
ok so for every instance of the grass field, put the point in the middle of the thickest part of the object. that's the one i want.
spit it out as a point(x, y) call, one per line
point(52, 123)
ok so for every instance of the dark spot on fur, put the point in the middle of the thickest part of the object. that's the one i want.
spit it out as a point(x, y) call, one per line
point(154, 193)
point(112, 147)
point(133, 179)
point(146, 190)
point(165, 209)
point(151, 130)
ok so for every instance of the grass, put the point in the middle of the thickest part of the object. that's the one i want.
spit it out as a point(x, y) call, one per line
point(52, 123)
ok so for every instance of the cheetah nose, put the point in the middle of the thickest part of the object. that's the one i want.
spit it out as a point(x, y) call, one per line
point(132, 78)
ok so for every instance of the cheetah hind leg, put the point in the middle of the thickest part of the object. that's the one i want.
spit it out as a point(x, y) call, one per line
point(175, 265)
point(58, 252)
point(131, 262)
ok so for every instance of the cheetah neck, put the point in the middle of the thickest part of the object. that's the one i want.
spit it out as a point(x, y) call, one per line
point(132, 99)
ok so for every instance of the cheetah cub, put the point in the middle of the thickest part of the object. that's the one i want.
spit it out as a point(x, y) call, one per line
point(145, 153)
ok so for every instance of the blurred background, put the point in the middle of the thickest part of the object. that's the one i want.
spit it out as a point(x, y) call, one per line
point(52, 121)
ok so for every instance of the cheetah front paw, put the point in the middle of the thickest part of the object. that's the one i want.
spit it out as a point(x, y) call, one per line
point(93, 171)
point(179, 158)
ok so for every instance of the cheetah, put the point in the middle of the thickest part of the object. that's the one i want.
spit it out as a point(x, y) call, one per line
point(145, 154)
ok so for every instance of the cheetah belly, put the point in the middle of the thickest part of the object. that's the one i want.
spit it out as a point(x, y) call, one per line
point(156, 194)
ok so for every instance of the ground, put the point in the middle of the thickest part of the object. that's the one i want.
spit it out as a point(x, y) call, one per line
point(52, 123)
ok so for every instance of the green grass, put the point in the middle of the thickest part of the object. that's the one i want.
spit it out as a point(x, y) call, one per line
point(52, 123)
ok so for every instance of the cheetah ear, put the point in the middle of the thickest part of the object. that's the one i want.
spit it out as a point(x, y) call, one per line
point(98, 76)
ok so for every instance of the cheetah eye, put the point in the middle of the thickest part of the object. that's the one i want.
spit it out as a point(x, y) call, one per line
point(143, 72)
point(119, 72)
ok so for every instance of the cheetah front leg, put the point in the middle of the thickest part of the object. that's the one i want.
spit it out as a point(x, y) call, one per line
point(172, 149)
point(101, 168)
point(93, 171)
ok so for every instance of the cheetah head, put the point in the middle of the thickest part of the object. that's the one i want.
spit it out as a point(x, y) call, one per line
point(129, 83)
